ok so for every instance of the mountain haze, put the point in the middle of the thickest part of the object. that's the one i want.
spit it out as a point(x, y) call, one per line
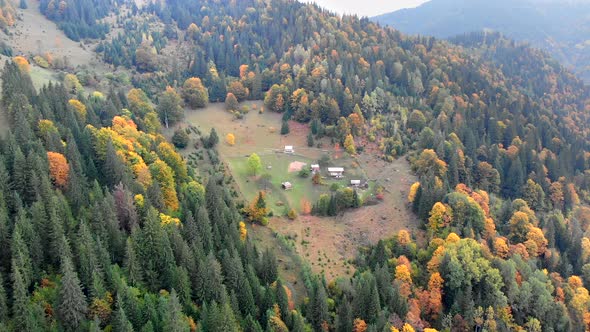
point(560, 27)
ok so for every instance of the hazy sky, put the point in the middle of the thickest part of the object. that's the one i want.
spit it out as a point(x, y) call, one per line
point(366, 7)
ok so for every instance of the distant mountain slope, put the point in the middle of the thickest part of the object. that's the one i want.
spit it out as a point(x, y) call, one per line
point(560, 27)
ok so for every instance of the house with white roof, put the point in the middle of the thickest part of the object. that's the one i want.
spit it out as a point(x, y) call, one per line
point(336, 172)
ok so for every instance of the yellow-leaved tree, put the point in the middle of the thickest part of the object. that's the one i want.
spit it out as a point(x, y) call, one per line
point(230, 139)
point(349, 144)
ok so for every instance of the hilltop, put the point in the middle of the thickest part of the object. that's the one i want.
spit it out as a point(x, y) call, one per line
point(559, 27)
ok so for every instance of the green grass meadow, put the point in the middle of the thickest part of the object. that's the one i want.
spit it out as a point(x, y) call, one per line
point(303, 188)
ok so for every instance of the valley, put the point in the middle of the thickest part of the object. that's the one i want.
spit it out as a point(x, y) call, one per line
point(328, 244)
point(249, 166)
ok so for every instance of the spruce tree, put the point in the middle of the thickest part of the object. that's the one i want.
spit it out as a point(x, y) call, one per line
point(3, 301)
point(173, 319)
point(155, 253)
point(131, 263)
point(213, 139)
point(282, 300)
point(120, 321)
point(71, 301)
point(318, 310)
point(114, 169)
point(285, 128)
point(344, 318)
point(20, 306)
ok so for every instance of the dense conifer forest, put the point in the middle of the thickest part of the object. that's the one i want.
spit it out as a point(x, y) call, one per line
point(104, 227)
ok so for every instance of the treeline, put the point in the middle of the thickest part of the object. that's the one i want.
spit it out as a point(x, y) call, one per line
point(79, 18)
point(103, 227)
point(400, 84)
point(497, 133)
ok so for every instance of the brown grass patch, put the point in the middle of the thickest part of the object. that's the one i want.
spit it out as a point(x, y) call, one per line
point(296, 166)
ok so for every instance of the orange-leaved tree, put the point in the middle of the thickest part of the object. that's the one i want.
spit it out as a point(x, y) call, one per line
point(22, 63)
point(59, 169)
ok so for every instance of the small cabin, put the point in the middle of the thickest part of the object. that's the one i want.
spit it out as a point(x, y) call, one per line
point(315, 168)
point(286, 185)
point(355, 183)
point(336, 172)
point(289, 149)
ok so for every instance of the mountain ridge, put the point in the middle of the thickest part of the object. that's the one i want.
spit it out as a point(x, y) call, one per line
point(523, 20)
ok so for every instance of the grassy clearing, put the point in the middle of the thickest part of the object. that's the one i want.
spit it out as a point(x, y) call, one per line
point(258, 133)
point(41, 76)
point(276, 171)
point(328, 244)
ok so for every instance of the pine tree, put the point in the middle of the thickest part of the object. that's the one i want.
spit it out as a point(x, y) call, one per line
point(71, 301)
point(310, 141)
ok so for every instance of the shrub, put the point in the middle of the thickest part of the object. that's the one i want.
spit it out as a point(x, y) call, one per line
point(292, 214)
point(41, 62)
point(304, 172)
point(180, 139)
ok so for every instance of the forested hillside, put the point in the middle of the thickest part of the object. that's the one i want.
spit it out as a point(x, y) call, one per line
point(106, 228)
point(78, 18)
point(560, 27)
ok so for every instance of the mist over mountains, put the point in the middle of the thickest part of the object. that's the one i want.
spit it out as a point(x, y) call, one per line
point(560, 27)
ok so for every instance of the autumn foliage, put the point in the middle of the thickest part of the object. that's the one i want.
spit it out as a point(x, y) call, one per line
point(59, 169)
point(230, 139)
point(23, 63)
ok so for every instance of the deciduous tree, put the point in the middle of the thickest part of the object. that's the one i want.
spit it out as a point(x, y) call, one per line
point(194, 93)
point(254, 164)
point(169, 107)
point(230, 139)
point(59, 169)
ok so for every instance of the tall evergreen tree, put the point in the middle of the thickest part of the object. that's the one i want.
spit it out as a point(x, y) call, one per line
point(120, 321)
point(173, 319)
point(71, 301)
